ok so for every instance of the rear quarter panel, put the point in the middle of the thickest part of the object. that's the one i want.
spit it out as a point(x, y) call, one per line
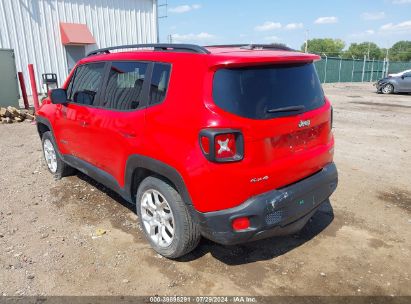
point(172, 135)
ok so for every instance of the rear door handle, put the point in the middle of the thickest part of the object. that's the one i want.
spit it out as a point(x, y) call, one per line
point(128, 134)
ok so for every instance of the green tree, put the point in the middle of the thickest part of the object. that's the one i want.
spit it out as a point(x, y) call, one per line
point(369, 49)
point(328, 46)
point(400, 51)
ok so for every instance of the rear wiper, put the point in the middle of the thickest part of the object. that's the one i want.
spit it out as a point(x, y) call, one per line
point(287, 109)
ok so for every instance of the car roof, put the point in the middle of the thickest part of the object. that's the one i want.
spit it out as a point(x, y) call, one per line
point(238, 55)
point(231, 55)
point(400, 73)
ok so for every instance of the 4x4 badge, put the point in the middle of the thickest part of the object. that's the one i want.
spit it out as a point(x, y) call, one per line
point(304, 123)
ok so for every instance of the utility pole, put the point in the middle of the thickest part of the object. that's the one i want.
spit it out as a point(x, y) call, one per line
point(368, 53)
point(306, 40)
point(387, 63)
point(164, 7)
point(325, 68)
point(363, 69)
point(170, 38)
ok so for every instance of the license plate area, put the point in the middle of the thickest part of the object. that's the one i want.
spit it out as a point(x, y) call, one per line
point(303, 139)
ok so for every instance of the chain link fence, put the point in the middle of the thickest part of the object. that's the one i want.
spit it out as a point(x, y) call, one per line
point(336, 69)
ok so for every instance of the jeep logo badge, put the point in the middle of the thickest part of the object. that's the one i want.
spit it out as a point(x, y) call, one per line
point(304, 123)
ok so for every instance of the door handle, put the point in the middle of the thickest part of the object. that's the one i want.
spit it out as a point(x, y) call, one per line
point(128, 134)
point(84, 123)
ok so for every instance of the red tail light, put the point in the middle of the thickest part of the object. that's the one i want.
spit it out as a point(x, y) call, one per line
point(222, 145)
point(205, 144)
point(241, 223)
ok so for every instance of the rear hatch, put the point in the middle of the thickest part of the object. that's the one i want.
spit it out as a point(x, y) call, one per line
point(284, 116)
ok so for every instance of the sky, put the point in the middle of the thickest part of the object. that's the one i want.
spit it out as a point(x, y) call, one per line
point(289, 21)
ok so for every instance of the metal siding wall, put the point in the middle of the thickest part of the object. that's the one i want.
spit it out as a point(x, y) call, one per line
point(31, 28)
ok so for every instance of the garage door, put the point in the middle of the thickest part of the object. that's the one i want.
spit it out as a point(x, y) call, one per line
point(9, 93)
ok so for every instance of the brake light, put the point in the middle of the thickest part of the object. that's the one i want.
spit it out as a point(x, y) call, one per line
point(241, 223)
point(222, 145)
point(205, 144)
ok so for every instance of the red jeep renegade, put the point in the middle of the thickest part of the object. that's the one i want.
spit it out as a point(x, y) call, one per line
point(233, 143)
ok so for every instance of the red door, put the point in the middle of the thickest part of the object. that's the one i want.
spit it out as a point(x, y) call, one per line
point(73, 126)
point(118, 122)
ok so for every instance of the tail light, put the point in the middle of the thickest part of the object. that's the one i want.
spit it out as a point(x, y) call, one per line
point(222, 145)
point(241, 223)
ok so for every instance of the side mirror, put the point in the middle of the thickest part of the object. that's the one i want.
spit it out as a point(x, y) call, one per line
point(402, 76)
point(58, 96)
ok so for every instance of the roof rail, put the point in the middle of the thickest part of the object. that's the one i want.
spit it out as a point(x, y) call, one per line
point(191, 48)
point(274, 46)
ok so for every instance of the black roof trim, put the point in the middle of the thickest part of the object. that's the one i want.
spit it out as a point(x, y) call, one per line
point(274, 46)
point(170, 47)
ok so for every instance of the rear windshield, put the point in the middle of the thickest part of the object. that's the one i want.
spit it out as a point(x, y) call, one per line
point(269, 91)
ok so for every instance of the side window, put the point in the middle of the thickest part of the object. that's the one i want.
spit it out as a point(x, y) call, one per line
point(85, 83)
point(125, 85)
point(159, 82)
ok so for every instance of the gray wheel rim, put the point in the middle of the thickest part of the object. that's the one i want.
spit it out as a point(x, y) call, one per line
point(50, 155)
point(157, 218)
point(387, 89)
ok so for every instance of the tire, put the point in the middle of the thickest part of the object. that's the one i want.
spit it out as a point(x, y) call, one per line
point(54, 163)
point(179, 233)
point(387, 89)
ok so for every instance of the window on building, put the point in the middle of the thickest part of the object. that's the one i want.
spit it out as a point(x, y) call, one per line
point(159, 82)
point(85, 83)
point(125, 85)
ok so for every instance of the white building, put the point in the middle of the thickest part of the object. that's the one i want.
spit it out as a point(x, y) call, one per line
point(54, 34)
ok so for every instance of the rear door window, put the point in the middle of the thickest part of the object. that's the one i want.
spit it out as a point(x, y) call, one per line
point(86, 83)
point(124, 90)
point(269, 91)
point(159, 82)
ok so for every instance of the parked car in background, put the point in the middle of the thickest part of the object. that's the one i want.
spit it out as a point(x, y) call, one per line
point(233, 143)
point(395, 83)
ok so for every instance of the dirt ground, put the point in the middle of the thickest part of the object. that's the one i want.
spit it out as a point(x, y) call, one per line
point(360, 245)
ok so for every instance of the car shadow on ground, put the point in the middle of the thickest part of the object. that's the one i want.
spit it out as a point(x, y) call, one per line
point(261, 250)
point(107, 191)
point(266, 249)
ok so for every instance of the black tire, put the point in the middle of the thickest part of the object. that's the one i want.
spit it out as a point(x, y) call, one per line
point(387, 89)
point(186, 232)
point(62, 168)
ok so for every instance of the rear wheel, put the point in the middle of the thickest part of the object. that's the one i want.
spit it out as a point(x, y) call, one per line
point(387, 89)
point(164, 218)
point(53, 160)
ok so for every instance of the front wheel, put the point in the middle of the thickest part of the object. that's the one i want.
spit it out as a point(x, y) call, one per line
point(387, 89)
point(53, 160)
point(165, 220)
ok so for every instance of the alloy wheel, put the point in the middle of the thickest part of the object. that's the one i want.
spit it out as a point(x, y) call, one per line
point(50, 155)
point(157, 218)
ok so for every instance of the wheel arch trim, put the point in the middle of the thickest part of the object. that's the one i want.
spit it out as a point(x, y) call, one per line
point(44, 121)
point(137, 161)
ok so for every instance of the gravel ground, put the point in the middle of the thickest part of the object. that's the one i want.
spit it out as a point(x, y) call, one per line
point(50, 242)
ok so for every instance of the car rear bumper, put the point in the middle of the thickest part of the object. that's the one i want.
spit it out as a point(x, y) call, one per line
point(278, 212)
